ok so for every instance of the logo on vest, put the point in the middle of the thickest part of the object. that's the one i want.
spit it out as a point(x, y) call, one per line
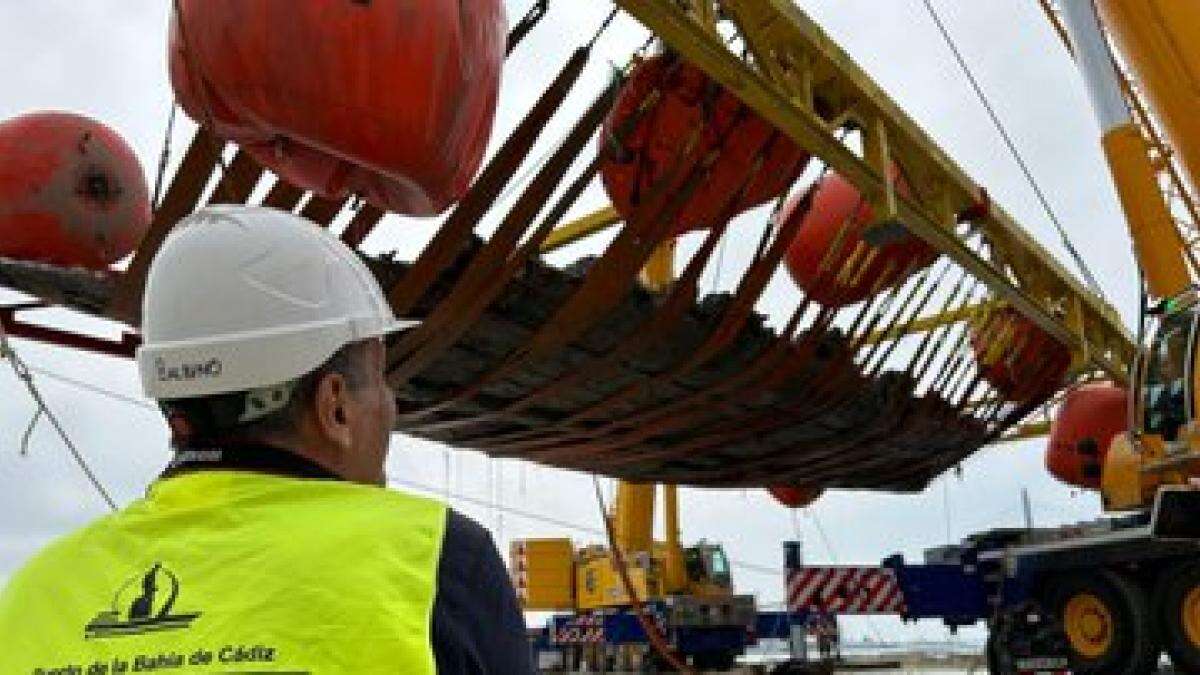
point(150, 610)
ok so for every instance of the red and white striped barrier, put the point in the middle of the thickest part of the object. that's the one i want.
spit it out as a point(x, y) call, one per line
point(845, 590)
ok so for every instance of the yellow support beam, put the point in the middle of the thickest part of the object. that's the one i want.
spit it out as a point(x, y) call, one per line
point(802, 80)
point(1026, 432)
point(928, 323)
point(581, 229)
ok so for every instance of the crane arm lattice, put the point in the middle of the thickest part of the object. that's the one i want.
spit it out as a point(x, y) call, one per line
point(801, 81)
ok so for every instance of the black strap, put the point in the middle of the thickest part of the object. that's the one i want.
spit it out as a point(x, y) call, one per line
point(258, 458)
point(526, 24)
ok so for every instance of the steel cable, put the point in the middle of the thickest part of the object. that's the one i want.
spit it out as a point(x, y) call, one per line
point(24, 374)
point(1012, 148)
point(431, 489)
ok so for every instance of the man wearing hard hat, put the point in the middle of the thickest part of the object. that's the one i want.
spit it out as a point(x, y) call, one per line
point(270, 543)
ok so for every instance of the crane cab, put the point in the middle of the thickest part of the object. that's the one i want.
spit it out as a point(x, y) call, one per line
point(1167, 373)
point(1164, 448)
point(708, 570)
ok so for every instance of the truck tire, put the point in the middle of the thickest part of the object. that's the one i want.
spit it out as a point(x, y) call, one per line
point(1107, 621)
point(1177, 606)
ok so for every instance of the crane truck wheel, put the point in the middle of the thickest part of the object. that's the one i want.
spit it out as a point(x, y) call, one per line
point(1107, 622)
point(1177, 605)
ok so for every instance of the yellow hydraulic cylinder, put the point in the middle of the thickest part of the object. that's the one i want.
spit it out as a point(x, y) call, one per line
point(633, 513)
point(1160, 41)
point(675, 571)
point(633, 517)
point(1156, 240)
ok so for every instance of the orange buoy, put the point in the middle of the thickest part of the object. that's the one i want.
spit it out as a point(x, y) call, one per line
point(1023, 362)
point(72, 192)
point(1090, 416)
point(668, 118)
point(831, 261)
point(390, 100)
point(795, 497)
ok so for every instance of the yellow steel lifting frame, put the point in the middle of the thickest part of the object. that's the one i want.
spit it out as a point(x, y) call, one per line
point(803, 83)
point(932, 322)
point(584, 227)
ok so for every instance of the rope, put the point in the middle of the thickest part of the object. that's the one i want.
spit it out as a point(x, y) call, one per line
point(156, 200)
point(456, 494)
point(603, 27)
point(527, 23)
point(657, 639)
point(1012, 148)
point(25, 438)
point(557, 522)
point(811, 513)
point(26, 376)
point(100, 391)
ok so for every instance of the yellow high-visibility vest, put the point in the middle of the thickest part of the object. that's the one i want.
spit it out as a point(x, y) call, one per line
point(233, 572)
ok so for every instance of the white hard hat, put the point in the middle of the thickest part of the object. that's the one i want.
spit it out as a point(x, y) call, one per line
point(241, 297)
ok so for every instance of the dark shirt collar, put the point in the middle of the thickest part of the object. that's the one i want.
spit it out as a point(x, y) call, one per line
point(246, 457)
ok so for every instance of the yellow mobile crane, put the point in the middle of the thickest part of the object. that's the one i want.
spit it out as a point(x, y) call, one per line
point(1107, 597)
point(685, 593)
point(1112, 594)
point(1160, 42)
point(687, 590)
point(551, 574)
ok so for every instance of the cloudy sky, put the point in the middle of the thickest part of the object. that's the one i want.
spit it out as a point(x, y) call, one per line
point(105, 58)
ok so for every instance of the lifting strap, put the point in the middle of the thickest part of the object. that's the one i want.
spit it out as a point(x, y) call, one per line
point(184, 192)
point(491, 267)
point(527, 23)
point(456, 232)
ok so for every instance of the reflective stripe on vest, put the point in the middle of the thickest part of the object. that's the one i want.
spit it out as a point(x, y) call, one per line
point(234, 572)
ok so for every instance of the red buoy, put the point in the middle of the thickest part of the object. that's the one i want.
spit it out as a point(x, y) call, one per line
point(390, 100)
point(831, 261)
point(1090, 416)
point(795, 497)
point(1023, 362)
point(72, 192)
point(668, 118)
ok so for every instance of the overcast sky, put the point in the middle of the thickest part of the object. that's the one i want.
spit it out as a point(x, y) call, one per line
point(105, 58)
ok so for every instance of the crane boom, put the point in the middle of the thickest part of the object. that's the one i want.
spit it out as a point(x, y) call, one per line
point(1156, 240)
point(808, 87)
point(1161, 42)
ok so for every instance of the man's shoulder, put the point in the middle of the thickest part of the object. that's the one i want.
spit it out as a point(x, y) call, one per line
point(55, 559)
point(464, 533)
point(468, 555)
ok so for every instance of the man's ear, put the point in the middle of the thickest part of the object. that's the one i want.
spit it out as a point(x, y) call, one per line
point(332, 407)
